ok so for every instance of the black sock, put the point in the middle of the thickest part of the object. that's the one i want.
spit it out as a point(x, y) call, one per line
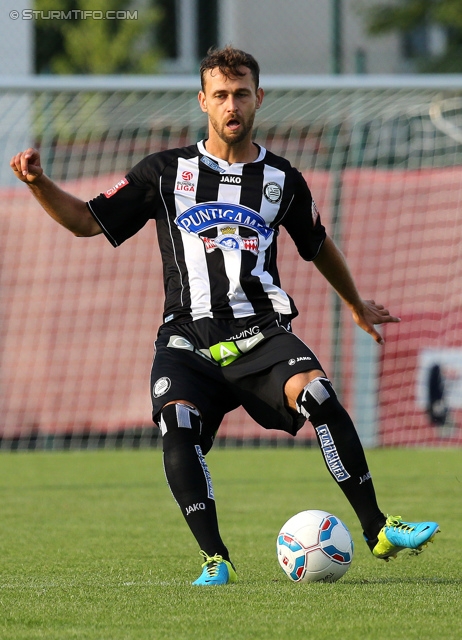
point(189, 480)
point(343, 452)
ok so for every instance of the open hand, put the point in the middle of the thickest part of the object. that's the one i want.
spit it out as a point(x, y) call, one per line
point(371, 314)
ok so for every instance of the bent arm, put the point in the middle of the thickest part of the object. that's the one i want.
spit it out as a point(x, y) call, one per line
point(66, 209)
point(366, 313)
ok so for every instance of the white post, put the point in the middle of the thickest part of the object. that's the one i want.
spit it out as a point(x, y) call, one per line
point(227, 31)
point(366, 385)
point(188, 35)
point(16, 53)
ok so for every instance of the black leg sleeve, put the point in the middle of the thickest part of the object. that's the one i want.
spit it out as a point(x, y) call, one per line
point(188, 476)
point(342, 450)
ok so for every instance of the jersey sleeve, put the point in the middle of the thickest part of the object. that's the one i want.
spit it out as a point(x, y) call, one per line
point(125, 208)
point(303, 222)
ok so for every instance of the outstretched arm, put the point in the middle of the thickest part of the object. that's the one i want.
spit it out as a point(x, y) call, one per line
point(366, 313)
point(69, 211)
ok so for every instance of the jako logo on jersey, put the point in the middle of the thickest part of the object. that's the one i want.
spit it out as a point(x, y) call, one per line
point(272, 192)
point(110, 192)
point(210, 214)
point(230, 179)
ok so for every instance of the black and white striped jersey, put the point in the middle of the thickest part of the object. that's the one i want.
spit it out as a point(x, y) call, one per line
point(217, 226)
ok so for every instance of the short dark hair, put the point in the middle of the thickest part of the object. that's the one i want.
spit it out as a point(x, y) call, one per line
point(228, 60)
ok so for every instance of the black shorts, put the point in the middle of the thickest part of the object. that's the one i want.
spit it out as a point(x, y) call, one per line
point(258, 356)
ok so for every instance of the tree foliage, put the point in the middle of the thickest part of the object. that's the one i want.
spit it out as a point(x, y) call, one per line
point(406, 16)
point(91, 45)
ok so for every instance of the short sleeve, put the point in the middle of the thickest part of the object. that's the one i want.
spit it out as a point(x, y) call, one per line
point(125, 208)
point(303, 222)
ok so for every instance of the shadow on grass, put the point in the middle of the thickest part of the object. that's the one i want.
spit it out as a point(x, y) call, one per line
point(404, 580)
point(359, 581)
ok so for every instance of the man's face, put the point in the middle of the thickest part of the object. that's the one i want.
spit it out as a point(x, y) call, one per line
point(230, 104)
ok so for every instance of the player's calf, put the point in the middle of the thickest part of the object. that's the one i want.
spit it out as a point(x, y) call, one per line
point(336, 434)
point(344, 456)
point(188, 475)
point(342, 450)
point(184, 464)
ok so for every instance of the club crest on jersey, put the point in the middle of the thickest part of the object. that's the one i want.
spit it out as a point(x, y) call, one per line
point(272, 192)
point(208, 215)
point(110, 192)
point(229, 240)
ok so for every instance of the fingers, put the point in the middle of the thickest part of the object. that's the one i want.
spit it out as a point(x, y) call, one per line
point(15, 163)
point(381, 314)
point(370, 329)
point(377, 337)
point(25, 158)
point(386, 317)
point(372, 314)
point(26, 165)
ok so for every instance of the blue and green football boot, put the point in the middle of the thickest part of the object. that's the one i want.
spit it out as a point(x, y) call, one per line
point(215, 571)
point(397, 535)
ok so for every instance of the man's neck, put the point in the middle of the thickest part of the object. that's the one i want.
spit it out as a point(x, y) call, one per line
point(244, 152)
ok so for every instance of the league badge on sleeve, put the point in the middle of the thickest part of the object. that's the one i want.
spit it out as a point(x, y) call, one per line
point(110, 192)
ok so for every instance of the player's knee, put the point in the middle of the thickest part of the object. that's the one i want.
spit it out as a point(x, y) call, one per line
point(180, 419)
point(181, 423)
point(318, 401)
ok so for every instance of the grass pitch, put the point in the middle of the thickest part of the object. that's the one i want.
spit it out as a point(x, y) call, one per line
point(94, 547)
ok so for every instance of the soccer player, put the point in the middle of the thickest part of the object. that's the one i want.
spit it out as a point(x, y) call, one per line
point(226, 338)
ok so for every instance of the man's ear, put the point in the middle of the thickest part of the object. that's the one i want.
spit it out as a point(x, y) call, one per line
point(202, 101)
point(260, 96)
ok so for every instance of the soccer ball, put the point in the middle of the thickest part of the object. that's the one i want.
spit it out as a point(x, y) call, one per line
point(314, 546)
